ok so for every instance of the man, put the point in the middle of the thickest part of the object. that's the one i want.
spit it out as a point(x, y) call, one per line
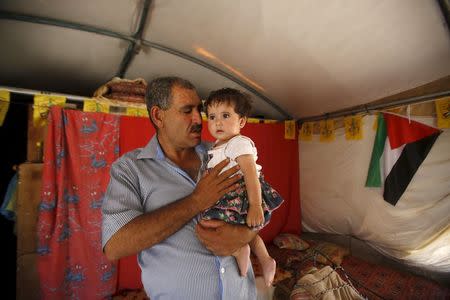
point(153, 199)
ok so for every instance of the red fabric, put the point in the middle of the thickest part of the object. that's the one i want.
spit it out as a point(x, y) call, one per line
point(79, 149)
point(280, 165)
point(402, 131)
point(134, 133)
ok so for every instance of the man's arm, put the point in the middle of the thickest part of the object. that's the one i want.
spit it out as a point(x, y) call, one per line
point(221, 238)
point(151, 228)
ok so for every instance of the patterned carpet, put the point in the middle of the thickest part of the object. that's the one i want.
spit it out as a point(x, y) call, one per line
point(391, 284)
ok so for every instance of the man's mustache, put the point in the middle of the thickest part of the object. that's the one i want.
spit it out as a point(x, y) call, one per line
point(197, 128)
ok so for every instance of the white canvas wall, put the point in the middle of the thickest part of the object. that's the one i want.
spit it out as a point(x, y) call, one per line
point(334, 199)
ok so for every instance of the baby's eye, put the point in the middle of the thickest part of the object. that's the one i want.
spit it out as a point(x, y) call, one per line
point(226, 116)
point(211, 118)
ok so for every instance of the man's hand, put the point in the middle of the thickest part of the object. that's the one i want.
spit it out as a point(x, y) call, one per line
point(213, 185)
point(221, 238)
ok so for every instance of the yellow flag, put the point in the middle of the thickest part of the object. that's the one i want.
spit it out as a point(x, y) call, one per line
point(443, 112)
point(4, 105)
point(90, 105)
point(375, 122)
point(136, 112)
point(261, 121)
point(327, 131)
point(42, 105)
point(253, 120)
point(289, 129)
point(307, 131)
point(353, 127)
point(142, 112)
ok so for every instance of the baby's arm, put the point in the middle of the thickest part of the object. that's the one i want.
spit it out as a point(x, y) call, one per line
point(255, 215)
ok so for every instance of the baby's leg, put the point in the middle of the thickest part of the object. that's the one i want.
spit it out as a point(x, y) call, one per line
point(268, 264)
point(243, 259)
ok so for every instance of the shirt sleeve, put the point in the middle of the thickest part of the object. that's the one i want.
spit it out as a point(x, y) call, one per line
point(122, 202)
point(238, 146)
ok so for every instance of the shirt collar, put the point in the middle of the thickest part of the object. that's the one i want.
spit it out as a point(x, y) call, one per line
point(153, 150)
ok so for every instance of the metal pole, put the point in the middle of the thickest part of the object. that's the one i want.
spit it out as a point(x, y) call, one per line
point(367, 108)
point(134, 46)
point(34, 92)
point(76, 26)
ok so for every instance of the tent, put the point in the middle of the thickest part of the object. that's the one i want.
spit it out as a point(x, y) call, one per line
point(303, 61)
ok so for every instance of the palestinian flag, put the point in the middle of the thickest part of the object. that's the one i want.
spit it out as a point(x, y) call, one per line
point(400, 146)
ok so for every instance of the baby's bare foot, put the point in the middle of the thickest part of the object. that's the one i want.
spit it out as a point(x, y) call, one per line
point(268, 267)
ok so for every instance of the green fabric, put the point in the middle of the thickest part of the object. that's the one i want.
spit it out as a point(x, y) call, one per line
point(374, 174)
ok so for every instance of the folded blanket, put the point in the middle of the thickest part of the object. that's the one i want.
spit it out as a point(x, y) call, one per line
point(324, 283)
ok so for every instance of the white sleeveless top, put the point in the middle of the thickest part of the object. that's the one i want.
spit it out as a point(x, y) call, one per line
point(235, 147)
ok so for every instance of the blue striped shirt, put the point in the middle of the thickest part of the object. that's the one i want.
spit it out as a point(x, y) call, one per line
point(179, 267)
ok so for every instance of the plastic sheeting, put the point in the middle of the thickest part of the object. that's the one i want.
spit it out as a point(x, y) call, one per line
point(334, 199)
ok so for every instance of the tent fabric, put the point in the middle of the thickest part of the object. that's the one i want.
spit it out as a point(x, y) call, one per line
point(79, 149)
point(277, 156)
point(334, 199)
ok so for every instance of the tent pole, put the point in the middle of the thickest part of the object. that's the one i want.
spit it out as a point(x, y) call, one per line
point(55, 22)
point(34, 92)
point(369, 107)
point(135, 46)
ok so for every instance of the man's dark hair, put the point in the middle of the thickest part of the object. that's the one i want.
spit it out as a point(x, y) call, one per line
point(241, 101)
point(159, 91)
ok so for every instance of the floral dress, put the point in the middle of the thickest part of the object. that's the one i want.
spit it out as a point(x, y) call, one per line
point(233, 206)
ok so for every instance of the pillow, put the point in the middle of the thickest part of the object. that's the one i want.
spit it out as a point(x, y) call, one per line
point(290, 241)
point(334, 252)
point(281, 274)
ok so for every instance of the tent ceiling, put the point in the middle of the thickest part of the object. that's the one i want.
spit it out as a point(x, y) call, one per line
point(297, 58)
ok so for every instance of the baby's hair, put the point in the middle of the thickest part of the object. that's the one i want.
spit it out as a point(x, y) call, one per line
point(241, 101)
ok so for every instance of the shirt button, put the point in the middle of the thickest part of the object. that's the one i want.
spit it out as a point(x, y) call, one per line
point(222, 270)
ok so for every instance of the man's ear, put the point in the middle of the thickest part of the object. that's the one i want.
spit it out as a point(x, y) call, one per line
point(242, 122)
point(156, 114)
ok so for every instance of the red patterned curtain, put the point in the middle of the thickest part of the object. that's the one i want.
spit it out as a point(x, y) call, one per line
point(79, 149)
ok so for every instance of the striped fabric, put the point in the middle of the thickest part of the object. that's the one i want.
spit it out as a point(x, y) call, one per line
point(179, 267)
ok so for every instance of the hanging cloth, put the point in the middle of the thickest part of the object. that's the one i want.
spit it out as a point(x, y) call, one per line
point(8, 208)
point(79, 150)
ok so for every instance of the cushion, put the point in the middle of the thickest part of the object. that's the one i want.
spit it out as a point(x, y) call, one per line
point(281, 274)
point(290, 241)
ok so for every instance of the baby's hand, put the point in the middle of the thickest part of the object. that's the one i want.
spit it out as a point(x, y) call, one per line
point(255, 216)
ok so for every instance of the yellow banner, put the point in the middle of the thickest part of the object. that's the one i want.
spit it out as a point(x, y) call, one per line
point(289, 129)
point(253, 120)
point(443, 112)
point(4, 105)
point(353, 128)
point(137, 112)
point(327, 131)
point(375, 122)
point(42, 104)
point(95, 106)
point(307, 131)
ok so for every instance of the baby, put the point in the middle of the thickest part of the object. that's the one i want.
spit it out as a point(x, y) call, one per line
point(252, 203)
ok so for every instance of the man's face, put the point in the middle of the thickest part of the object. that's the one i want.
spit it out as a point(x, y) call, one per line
point(182, 121)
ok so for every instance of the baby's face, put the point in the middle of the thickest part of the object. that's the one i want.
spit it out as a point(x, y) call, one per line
point(223, 122)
